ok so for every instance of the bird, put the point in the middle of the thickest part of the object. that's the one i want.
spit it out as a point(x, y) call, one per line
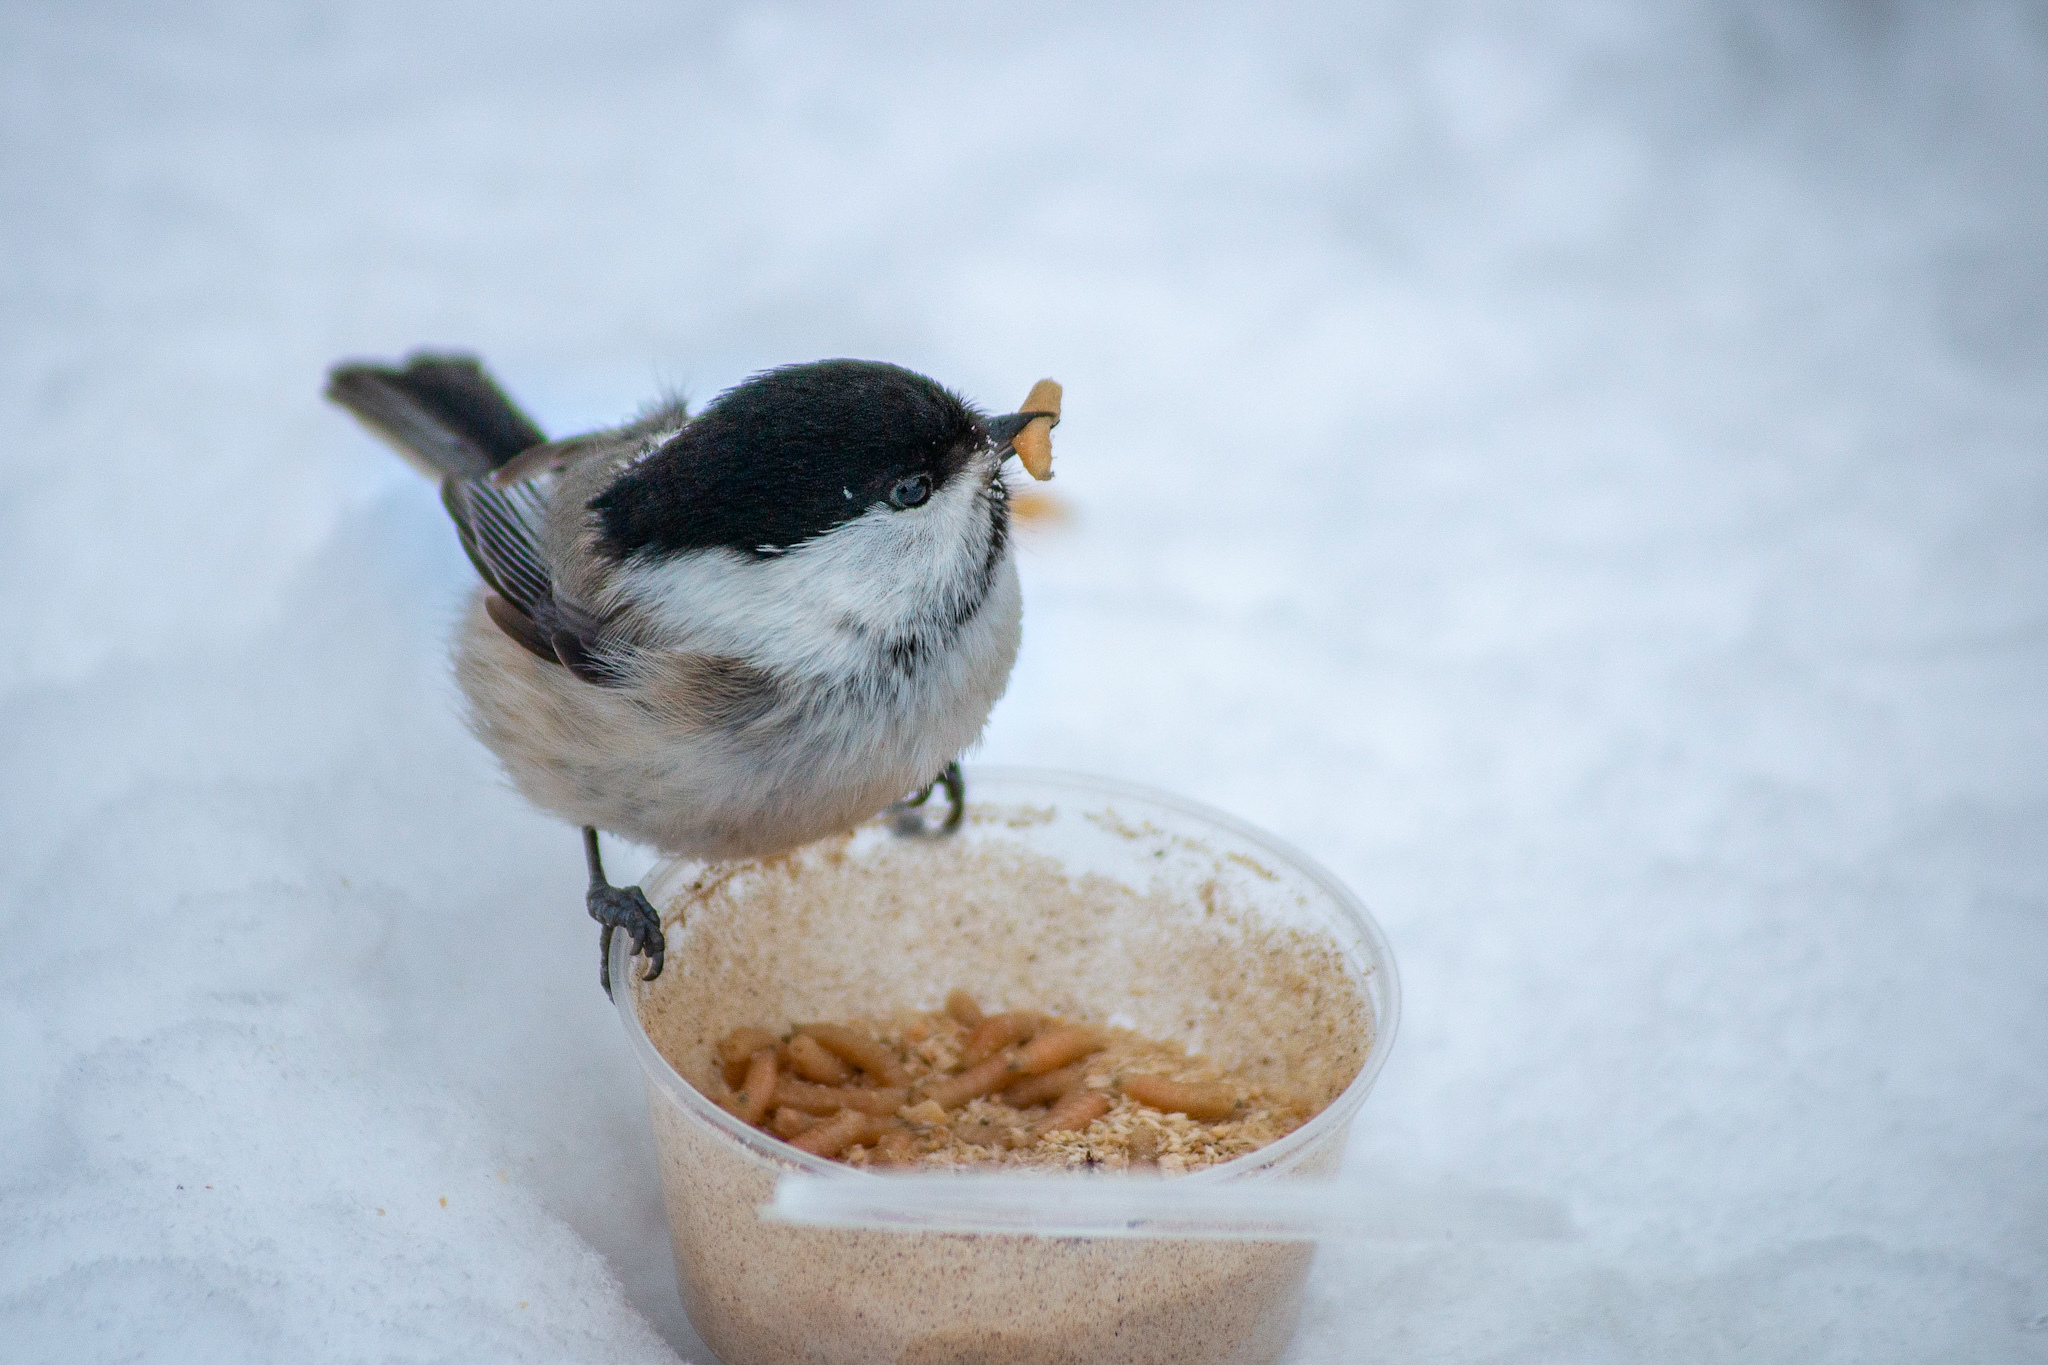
point(730, 632)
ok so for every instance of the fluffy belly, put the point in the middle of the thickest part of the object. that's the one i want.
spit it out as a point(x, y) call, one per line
point(627, 761)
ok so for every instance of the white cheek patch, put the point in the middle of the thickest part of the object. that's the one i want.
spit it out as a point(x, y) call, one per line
point(827, 605)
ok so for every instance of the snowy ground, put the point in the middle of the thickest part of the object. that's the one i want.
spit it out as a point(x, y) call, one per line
point(1583, 478)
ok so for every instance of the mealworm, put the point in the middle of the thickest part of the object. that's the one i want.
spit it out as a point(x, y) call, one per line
point(865, 1053)
point(1208, 1102)
point(814, 1063)
point(757, 1087)
point(976, 1081)
point(792, 1093)
point(737, 1048)
point(882, 1101)
point(1045, 1089)
point(836, 1134)
point(997, 1032)
point(1075, 1111)
point(1055, 1047)
point(830, 1099)
point(787, 1123)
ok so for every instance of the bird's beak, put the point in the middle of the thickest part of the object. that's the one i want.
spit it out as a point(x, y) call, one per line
point(1027, 433)
point(1003, 430)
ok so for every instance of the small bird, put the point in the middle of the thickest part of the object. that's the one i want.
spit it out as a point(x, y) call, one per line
point(732, 632)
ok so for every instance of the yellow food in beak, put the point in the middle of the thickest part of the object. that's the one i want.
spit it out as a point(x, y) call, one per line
point(1034, 443)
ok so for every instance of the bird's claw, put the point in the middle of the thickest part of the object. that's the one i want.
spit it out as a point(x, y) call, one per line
point(627, 907)
point(910, 826)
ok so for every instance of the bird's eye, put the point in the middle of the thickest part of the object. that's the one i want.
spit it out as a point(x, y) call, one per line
point(911, 491)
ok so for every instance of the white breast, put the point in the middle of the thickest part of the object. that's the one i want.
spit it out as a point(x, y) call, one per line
point(857, 723)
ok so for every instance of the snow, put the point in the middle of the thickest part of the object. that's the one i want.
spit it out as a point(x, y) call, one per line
point(1576, 470)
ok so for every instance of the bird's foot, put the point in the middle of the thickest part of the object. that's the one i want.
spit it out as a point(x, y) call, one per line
point(620, 907)
point(911, 825)
point(626, 907)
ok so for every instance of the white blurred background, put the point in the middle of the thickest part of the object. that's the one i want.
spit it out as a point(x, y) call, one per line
point(1580, 471)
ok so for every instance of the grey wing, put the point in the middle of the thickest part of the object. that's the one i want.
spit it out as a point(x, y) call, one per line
point(501, 529)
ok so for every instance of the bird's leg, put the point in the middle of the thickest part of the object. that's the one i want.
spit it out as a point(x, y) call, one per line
point(909, 825)
point(956, 796)
point(620, 907)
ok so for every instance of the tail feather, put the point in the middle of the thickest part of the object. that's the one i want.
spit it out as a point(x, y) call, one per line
point(442, 412)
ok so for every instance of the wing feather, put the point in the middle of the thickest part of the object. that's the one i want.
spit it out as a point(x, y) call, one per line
point(506, 526)
point(502, 530)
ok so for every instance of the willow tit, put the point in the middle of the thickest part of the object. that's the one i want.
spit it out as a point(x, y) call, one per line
point(730, 633)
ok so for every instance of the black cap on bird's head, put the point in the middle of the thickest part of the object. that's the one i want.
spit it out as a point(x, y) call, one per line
point(792, 453)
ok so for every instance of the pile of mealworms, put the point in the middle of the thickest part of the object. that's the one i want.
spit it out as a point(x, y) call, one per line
point(960, 1086)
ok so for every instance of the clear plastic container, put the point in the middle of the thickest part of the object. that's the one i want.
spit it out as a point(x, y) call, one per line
point(1061, 893)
